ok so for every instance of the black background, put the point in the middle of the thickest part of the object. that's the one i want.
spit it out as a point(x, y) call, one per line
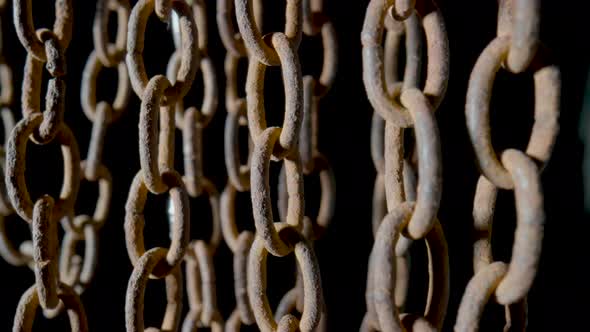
point(558, 296)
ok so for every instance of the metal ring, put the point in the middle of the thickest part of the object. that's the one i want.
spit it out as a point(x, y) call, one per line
point(135, 44)
point(75, 271)
point(208, 188)
point(308, 134)
point(261, 197)
point(238, 174)
point(520, 21)
point(385, 270)
point(232, 41)
point(289, 303)
point(110, 54)
point(228, 216)
point(477, 107)
point(26, 32)
point(210, 95)
point(308, 265)
point(192, 152)
point(528, 236)
point(330, 59)
point(105, 185)
point(151, 150)
point(16, 186)
point(88, 90)
point(230, 68)
point(135, 221)
point(7, 125)
point(29, 301)
point(93, 160)
point(429, 189)
point(134, 300)
point(293, 85)
point(54, 100)
point(201, 289)
point(253, 39)
point(373, 64)
point(45, 248)
point(327, 208)
point(483, 214)
point(241, 252)
point(477, 294)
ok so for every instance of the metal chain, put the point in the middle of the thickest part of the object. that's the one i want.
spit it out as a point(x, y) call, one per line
point(517, 48)
point(75, 270)
point(402, 212)
point(239, 242)
point(13, 256)
point(51, 289)
point(159, 98)
point(315, 22)
point(280, 144)
point(200, 273)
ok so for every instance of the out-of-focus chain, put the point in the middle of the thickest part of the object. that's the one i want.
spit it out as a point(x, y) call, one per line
point(279, 144)
point(315, 22)
point(200, 272)
point(516, 48)
point(403, 212)
point(44, 47)
point(75, 270)
point(11, 255)
point(159, 98)
point(238, 180)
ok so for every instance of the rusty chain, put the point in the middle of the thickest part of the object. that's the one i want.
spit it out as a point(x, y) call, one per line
point(517, 48)
point(160, 99)
point(53, 289)
point(407, 188)
point(403, 212)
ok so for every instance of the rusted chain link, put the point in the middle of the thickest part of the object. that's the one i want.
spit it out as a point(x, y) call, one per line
point(280, 144)
point(78, 271)
point(159, 97)
point(515, 45)
point(44, 47)
point(239, 241)
point(200, 273)
point(402, 210)
point(12, 255)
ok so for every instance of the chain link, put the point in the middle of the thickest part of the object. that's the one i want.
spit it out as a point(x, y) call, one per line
point(515, 45)
point(44, 47)
point(399, 103)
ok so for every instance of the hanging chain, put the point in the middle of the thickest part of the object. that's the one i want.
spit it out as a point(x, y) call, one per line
point(517, 48)
point(159, 97)
point(200, 272)
point(16, 257)
point(44, 46)
point(280, 144)
point(239, 242)
point(74, 270)
point(401, 213)
point(314, 163)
